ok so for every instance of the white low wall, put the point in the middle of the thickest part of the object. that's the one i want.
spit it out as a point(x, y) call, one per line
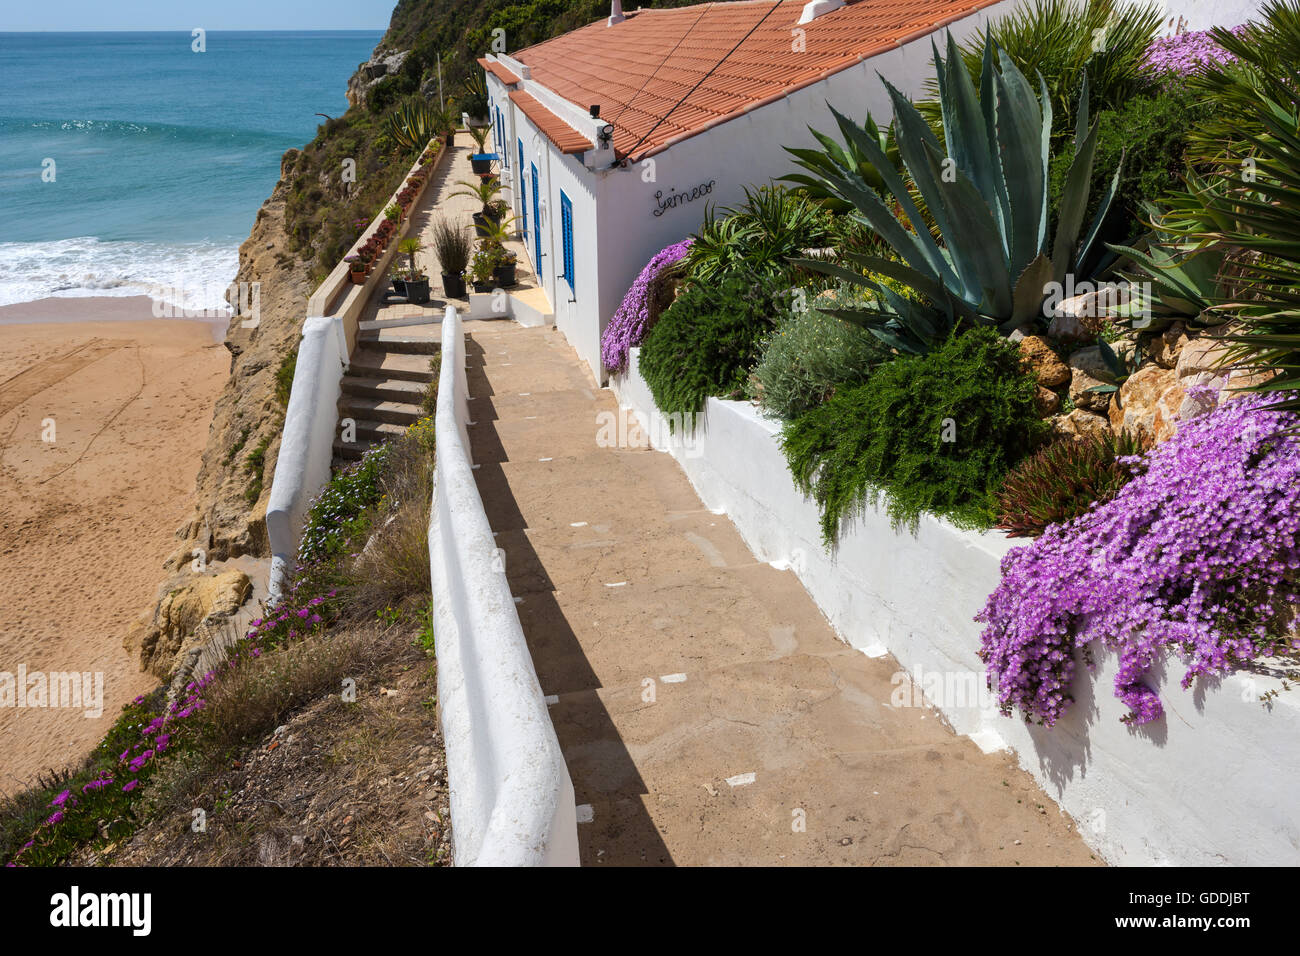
point(512, 801)
point(302, 467)
point(1214, 782)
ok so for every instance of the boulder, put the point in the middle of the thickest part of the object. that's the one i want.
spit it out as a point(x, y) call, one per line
point(1046, 401)
point(1079, 318)
point(1148, 403)
point(1088, 370)
point(1081, 424)
point(1039, 358)
point(1166, 347)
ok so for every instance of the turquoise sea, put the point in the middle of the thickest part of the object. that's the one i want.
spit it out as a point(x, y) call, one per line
point(131, 164)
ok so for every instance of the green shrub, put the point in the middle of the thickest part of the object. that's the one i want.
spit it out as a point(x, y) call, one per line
point(284, 376)
point(936, 433)
point(255, 468)
point(1150, 134)
point(758, 237)
point(705, 344)
point(338, 515)
point(810, 356)
point(1064, 480)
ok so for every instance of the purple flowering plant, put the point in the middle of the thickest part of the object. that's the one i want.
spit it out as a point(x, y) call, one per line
point(632, 320)
point(1184, 53)
point(1198, 556)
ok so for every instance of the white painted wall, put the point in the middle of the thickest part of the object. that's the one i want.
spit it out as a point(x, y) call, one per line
point(512, 799)
point(302, 466)
point(1214, 782)
point(1203, 14)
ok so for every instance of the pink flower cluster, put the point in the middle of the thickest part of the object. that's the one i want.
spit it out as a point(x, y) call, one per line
point(628, 327)
point(1185, 52)
point(1199, 555)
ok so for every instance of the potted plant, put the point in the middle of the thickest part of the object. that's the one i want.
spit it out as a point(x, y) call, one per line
point(480, 160)
point(485, 191)
point(504, 273)
point(356, 268)
point(452, 246)
point(495, 210)
point(416, 283)
point(483, 266)
point(393, 213)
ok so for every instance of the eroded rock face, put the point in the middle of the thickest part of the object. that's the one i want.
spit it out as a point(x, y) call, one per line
point(186, 612)
point(1166, 347)
point(1039, 358)
point(381, 64)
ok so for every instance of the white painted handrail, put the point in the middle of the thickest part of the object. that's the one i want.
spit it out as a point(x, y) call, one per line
point(512, 800)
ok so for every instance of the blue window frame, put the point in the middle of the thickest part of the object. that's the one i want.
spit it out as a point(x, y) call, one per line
point(523, 188)
point(537, 218)
point(566, 234)
point(500, 144)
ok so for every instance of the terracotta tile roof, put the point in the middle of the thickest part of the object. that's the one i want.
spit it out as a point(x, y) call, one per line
point(497, 70)
point(639, 69)
point(564, 136)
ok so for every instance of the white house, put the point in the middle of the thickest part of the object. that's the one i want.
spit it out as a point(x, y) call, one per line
point(614, 137)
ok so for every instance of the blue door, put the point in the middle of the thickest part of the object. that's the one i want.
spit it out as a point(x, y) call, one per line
point(537, 233)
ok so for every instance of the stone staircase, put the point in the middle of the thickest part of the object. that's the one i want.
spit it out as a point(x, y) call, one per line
point(383, 388)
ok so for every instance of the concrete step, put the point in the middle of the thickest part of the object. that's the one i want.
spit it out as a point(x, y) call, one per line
point(377, 363)
point(386, 389)
point(360, 408)
point(392, 340)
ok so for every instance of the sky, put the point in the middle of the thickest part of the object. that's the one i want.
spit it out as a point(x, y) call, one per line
point(72, 15)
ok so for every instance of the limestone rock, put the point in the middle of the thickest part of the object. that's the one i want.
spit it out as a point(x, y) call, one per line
point(380, 65)
point(1081, 424)
point(192, 604)
point(1148, 403)
point(1038, 357)
point(1088, 370)
point(1078, 319)
point(1046, 401)
point(1166, 347)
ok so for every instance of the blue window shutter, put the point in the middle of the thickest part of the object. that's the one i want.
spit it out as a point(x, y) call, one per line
point(523, 188)
point(537, 218)
point(566, 230)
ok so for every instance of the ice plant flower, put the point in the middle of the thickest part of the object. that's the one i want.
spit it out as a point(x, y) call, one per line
point(1198, 555)
point(1184, 53)
point(628, 327)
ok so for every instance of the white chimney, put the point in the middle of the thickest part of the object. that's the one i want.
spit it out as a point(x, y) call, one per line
point(615, 13)
point(816, 8)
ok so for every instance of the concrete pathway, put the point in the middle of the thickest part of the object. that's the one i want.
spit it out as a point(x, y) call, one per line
point(707, 712)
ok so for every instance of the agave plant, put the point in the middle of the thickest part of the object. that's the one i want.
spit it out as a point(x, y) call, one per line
point(988, 200)
point(414, 123)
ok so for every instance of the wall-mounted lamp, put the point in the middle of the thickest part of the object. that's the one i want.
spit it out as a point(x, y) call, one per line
point(595, 111)
point(605, 134)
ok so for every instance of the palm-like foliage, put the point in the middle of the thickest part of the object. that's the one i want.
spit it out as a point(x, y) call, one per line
point(1171, 279)
point(757, 238)
point(846, 159)
point(1062, 39)
point(987, 198)
point(1252, 212)
point(485, 190)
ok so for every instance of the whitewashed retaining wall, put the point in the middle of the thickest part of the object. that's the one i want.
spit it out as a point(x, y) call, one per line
point(1214, 782)
point(302, 467)
point(512, 799)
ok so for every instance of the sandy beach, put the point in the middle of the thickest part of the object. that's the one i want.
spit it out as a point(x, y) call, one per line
point(104, 412)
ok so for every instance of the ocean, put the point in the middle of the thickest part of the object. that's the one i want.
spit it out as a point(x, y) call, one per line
point(132, 165)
